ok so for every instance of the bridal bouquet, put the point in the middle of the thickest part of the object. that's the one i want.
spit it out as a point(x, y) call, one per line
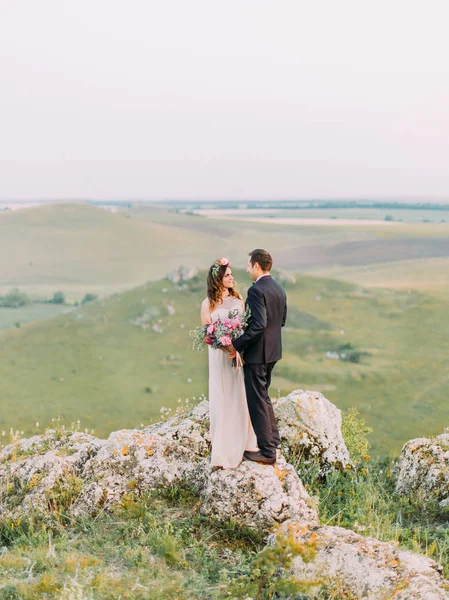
point(222, 333)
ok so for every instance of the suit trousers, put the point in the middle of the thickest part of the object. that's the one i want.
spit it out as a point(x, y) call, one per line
point(257, 382)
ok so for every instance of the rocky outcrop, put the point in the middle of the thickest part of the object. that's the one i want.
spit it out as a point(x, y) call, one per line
point(310, 426)
point(101, 472)
point(423, 469)
point(79, 474)
point(363, 567)
point(181, 274)
point(40, 473)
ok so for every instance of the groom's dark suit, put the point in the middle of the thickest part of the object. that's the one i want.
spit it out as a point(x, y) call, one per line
point(261, 345)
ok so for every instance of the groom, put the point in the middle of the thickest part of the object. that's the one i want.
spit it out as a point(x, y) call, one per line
point(262, 346)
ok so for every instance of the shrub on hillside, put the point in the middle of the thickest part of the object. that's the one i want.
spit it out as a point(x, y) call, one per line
point(14, 299)
point(58, 298)
point(89, 298)
point(355, 431)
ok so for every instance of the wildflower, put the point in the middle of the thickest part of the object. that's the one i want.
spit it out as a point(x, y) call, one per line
point(367, 457)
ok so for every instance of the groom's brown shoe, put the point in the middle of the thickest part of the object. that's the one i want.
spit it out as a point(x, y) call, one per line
point(259, 457)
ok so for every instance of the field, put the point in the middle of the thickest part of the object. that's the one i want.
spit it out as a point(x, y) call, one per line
point(337, 214)
point(85, 249)
point(103, 363)
point(16, 317)
point(367, 320)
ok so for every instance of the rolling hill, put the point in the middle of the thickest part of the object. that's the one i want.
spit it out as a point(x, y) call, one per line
point(385, 351)
point(81, 248)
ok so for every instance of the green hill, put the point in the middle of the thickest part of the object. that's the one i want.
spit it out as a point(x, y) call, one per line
point(81, 248)
point(386, 352)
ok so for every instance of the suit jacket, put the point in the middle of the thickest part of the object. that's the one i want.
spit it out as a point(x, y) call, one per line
point(262, 340)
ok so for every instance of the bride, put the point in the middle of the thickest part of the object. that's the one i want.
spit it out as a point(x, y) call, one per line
point(231, 431)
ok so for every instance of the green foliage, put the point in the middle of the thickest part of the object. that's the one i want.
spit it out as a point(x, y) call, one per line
point(58, 298)
point(348, 353)
point(14, 299)
point(9, 592)
point(355, 432)
point(89, 298)
point(267, 574)
point(64, 493)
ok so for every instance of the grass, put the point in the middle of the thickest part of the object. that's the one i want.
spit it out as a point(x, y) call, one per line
point(428, 275)
point(16, 317)
point(157, 546)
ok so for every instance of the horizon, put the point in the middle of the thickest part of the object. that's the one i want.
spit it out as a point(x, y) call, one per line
point(392, 200)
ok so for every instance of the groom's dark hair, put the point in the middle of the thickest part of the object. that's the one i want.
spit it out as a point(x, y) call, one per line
point(263, 258)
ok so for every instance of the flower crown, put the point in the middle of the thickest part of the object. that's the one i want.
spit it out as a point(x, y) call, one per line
point(217, 264)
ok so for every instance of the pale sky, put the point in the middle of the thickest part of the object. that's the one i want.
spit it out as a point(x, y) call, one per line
point(243, 99)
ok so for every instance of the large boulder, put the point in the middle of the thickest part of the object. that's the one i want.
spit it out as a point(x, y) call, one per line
point(310, 426)
point(136, 460)
point(363, 567)
point(45, 472)
point(255, 495)
point(423, 469)
point(133, 461)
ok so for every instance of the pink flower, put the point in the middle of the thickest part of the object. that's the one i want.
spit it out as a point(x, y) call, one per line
point(225, 340)
point(211, 329)
point(224, 261)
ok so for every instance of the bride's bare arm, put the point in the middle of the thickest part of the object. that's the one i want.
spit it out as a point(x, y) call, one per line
point(206, 318)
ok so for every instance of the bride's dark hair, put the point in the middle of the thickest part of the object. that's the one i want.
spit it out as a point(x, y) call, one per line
point(215, 284)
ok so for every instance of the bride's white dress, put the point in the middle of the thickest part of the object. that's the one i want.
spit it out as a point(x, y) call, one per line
point(231, 431)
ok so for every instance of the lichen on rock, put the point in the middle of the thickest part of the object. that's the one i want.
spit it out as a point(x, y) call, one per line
point(310, 426)
point(363, 567)
point(423, 469)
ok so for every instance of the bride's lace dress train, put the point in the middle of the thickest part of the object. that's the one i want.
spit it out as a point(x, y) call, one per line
point(231, 431)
